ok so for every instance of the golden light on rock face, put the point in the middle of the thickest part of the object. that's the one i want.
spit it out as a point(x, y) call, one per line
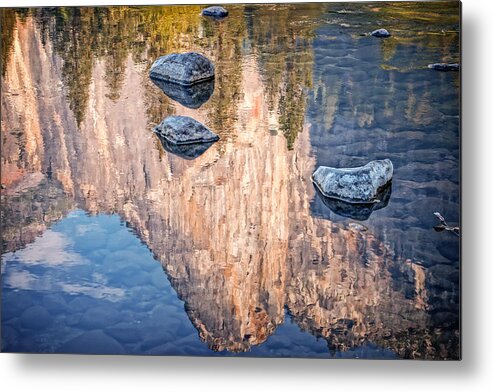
point(233, 228)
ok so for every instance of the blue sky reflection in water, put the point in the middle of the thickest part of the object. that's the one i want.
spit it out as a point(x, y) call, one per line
point(77, 289)
point(113, 244)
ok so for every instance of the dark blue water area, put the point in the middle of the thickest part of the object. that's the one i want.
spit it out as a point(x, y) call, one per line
point(376, 99)
point(88, 285)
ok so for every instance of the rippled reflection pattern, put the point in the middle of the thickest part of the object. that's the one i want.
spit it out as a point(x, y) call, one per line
point(114, 243)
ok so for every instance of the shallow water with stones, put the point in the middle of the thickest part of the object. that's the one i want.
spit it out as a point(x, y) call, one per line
point(112, 243)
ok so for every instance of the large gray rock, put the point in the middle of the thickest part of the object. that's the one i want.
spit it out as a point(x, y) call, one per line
point(215, 11)
point(444, 67)
point(183, 68)
point(354, 185)
point(184, 130)
point(380, 33)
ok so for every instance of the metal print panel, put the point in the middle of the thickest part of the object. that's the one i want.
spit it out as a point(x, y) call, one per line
point(269, 180)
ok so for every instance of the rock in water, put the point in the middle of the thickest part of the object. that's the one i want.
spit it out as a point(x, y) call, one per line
point(215, 12)
point(354, 185)
point(381, 33)
point(183, 68)
point(192, 97)
point(184, 130)
point(444, 67)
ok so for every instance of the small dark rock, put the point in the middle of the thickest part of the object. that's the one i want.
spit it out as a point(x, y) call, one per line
point(192, 97)
point(182, 68)
point(354, 185)
point(444, 67)
point(215, 11)
point(185, 130)
point(380, 33)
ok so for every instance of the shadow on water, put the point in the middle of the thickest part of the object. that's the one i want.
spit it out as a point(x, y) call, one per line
point(192, 97)
point(187, 151)
point(357, 211)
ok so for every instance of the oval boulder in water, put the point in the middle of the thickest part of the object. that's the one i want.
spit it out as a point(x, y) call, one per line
point(183, 68)
point(215, 11)
point(185, 130)
point(355, 185)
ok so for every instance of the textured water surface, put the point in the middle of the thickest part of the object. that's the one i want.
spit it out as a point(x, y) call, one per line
point(116, 242)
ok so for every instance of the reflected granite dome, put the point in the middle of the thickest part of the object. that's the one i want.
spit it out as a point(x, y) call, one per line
point(234, 230)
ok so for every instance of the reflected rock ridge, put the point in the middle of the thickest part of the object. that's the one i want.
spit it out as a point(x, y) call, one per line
point(232, 229)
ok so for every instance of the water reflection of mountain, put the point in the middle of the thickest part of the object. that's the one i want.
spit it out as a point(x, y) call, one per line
point(233, 228)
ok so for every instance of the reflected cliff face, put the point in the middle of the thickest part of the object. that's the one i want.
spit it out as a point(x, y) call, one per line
point(239, 231)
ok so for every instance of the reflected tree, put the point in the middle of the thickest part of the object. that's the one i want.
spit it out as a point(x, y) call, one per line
point(7, 23)
point(8, 20)
point(284, 48)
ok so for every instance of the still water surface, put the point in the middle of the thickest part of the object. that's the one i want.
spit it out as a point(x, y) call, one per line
point(114, 244)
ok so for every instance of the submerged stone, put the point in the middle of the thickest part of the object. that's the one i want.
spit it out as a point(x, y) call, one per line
point(36, 317)
point(192, 97)
point(184, 130)
point(357, 211)
point(380, 33)
point(100, 316)
point(92, 342)
point(182, 68)
point(125, 332)
point(215, 11)
point(354, 185)
point(444, 67)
